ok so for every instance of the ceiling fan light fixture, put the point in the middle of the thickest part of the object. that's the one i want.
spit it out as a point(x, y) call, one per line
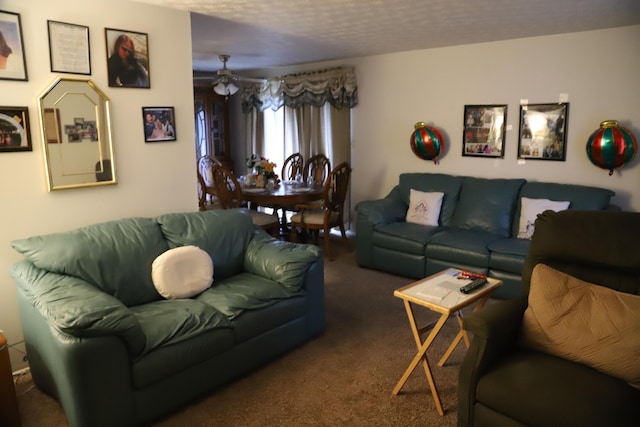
point(225, 89)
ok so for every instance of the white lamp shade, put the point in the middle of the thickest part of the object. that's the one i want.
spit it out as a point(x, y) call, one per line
point(225, 89)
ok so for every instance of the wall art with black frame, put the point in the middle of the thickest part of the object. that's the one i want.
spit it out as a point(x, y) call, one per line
point(543, 131)
point(483, 134)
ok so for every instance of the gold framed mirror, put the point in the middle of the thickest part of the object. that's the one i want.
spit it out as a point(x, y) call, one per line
point(75, 124)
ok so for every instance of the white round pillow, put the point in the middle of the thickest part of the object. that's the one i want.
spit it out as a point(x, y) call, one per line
point(182, 272)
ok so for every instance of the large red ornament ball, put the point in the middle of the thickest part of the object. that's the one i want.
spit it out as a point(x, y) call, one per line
point(611, 146)
point(426, 142)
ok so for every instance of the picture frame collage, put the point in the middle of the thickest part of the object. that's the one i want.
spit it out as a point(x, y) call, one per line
point(128, 66)
point(542, 131)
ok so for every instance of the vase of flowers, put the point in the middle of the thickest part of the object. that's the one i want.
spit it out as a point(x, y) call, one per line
point(262, 169)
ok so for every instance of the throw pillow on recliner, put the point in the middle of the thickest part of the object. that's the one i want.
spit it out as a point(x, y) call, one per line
point(424, 207)
point(583, 322)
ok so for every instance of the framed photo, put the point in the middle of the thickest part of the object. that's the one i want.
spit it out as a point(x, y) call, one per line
point(12, 59)
point(127, 58)
point(69, 50)
point(543, 131)
point(159, 124)
point(483, 134)
point(14, 129)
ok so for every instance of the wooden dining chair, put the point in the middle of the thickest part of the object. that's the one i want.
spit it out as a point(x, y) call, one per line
point(207, 198)
point(293, 165)
point(317, 169)
point(230, 196)
point(314, 218)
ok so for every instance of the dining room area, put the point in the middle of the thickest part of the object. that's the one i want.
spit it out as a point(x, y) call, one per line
point(287, 158)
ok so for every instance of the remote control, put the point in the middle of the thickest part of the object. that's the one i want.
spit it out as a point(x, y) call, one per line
point(469, 287)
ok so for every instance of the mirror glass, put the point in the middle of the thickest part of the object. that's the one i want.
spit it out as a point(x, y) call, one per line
point(76, 134)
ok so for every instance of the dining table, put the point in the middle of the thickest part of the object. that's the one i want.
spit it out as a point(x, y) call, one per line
point(283, 194)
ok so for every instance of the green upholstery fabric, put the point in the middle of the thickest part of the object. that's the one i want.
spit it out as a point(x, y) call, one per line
point(487, 205)
point(450, 185)
point(501, 383)
point(130, 244)
point(75, 307)
point(225, 249)
point(103, 342)
point(580, 197)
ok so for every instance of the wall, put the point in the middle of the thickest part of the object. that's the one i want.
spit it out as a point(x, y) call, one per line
point(597, 70)
point(153, 178)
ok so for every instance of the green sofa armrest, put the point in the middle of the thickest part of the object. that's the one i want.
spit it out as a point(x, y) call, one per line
point(283, 262)
point(495, 329)
point(382, 211)
point(75, 307)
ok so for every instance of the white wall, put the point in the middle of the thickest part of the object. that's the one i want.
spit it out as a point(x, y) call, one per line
point(153, 178)
point(598, 70)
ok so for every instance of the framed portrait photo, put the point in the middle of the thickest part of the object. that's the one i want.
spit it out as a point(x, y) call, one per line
point(543, 131)
point(127, 58)
point(159, 124)
point(69, 50)
point(483, 134)
point(12, 59)
point(14, 129)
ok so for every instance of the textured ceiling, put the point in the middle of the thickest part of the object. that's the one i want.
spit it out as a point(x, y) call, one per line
point(270, 33)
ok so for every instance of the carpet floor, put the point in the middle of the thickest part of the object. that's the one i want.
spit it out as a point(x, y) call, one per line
point(342, 378)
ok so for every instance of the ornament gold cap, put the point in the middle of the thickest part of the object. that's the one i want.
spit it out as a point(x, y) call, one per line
point(609, 124)
point(419, 125)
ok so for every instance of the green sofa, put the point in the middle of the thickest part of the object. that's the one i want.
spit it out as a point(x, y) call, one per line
point(102, 340)
point(477, 228)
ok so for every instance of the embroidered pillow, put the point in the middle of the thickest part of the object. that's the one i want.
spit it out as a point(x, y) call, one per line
point(182, 272)
point(586, 323)
point(424, 208)
point(529, 212)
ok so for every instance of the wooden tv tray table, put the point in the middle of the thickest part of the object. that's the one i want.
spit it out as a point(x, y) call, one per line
point(439, 293)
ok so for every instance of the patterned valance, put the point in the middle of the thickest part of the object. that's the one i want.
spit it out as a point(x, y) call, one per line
point(336, 86)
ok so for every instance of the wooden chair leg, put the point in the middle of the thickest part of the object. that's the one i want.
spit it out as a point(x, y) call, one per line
point(344, 236)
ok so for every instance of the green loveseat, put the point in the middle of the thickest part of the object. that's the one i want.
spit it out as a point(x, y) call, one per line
point(477, 226)
point(102, 340)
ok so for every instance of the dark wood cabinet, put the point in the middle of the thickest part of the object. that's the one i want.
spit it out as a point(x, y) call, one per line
point(212, 125)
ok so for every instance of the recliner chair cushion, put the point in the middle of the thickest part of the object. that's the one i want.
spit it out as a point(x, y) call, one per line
point(583, 322)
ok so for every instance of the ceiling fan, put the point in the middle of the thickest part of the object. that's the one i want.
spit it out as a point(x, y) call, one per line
point(224, 78)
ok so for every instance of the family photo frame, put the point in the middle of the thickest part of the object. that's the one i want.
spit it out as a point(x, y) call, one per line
point(543, 131)
point(127, 58)
point(483, 134)
point(13, 65)
point(14, 129)
point(69, 50)
point(159, 124)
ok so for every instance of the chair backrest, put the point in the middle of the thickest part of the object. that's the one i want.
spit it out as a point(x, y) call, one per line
point(317, 169)
point(336, 186)
point(227, 188)
point(293, 166)
point(205, 166)
point(599, 247)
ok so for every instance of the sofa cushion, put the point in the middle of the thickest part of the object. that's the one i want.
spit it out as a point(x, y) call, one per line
point(244, 291)
point(433, 182)
point(424, 207)
point(182, 272)
point(487, 205)
point(114, 256)
point(580, 197)
point(508, 254)
point(223, 233)
point(529, 210)
point(466, 247)
point(583, 322)
point(179, 333)
point(404, 237)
